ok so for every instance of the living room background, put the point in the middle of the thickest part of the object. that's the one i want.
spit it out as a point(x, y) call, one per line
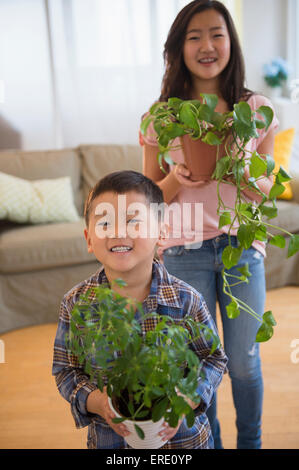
point(83, 71)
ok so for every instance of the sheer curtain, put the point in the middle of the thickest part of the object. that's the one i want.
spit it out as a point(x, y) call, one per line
point(107, 65)
point(107, 61)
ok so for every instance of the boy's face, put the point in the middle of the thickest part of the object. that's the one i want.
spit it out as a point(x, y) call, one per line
point(123, 231)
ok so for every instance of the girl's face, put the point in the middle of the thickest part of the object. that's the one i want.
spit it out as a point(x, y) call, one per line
point(207, 45)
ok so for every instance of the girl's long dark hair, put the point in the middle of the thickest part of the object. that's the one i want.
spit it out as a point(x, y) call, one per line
point(177, 79)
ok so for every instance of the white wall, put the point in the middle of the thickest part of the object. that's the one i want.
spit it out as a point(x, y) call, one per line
point(264, 37)
point(24, 67)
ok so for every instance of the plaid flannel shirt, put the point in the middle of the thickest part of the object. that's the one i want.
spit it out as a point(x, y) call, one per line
point(168, 296)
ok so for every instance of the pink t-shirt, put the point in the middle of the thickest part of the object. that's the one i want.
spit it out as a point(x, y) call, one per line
point(192, 214)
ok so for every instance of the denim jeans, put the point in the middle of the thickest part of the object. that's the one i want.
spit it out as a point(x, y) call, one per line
point(201, 268)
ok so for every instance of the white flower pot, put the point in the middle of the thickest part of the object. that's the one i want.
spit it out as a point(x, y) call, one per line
point(151, 440)
point(273, 92)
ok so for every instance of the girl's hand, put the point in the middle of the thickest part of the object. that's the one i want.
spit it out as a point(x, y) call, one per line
point(168, 432)
point(182, 175)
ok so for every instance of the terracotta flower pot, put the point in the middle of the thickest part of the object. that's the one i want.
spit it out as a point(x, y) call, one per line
point(200, 158)
point(151, 440)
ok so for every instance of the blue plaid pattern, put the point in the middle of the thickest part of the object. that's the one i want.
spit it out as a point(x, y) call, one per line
point(168, 296)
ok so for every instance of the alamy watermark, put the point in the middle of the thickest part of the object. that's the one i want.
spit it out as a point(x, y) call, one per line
point(295, 353)
point(139, 220)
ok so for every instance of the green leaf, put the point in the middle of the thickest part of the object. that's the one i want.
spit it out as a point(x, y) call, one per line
point(174, 130)
point(238, 170)
point(282, 176)
point(293, 245)
point(258, 166)
point(270, 164)
point(139, 431)
point(168, 158)
point(160, 409)
point(243, 112)
point(145, 123)
point(231, 256)
point(222, 166)
point(211, 139)
point(205, 113)
point(210, 99)
point(243, 125)
point(246, 235)
point(267, 113)
point(190, 418)
point(276, 190)
point(120, 282)
point(269, 212)
point(232, 310)
point(174, 103)
point(118, 420)
point(269, 318)
point(265, 331)
point(245, 270)
point(278, 240)
point(187, 116)
point(160, 105)
point(261, 233)
point(164, 138)
point(224, 219)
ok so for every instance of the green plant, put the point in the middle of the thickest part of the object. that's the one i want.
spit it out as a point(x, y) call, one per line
point(276, 72)
point(151, 373)
point(199, 120)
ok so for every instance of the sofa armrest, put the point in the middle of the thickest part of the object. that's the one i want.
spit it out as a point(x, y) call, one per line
point(295, 185)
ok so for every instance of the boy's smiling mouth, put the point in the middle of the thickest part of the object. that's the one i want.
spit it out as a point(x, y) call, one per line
point(120, 249)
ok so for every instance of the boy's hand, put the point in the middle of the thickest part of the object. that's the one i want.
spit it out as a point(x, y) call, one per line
point(168, 432)
point(97, 402)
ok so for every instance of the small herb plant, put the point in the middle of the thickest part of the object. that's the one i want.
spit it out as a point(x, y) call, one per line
point(151, 373)
point(198, 119)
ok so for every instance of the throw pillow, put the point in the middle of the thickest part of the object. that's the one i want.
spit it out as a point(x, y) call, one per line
point(36, 202)
point(283, 143)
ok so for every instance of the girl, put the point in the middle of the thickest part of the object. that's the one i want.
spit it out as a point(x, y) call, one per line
point(202, 55)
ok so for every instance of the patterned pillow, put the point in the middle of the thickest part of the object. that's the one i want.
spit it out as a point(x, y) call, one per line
point(36, 202)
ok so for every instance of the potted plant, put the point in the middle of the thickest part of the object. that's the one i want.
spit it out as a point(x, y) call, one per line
point(275, 74)
point(198, 120)
point(150, 375)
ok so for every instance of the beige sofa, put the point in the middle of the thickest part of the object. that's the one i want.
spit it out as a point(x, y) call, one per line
point(40, 263)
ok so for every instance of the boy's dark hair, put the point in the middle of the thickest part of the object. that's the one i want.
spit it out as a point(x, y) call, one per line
point(177, 80)
point(121, 182)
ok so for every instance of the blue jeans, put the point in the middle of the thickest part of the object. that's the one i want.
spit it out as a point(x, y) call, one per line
point(201, 268)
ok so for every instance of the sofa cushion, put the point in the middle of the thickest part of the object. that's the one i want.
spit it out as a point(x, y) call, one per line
point(99, 160)
point(288, 217)
point(48, 164)
point(283, 144)
point(39, 201)
point(38, 247)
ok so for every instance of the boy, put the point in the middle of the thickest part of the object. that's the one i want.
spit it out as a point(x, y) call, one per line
point(125, 244)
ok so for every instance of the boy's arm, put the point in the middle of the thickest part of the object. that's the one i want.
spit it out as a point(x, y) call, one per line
point(72, 382)
point(213, 365)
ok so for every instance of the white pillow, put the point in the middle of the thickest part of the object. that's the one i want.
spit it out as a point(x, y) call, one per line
point(36, 202)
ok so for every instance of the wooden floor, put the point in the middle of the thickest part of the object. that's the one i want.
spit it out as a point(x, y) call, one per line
point(34, 415)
